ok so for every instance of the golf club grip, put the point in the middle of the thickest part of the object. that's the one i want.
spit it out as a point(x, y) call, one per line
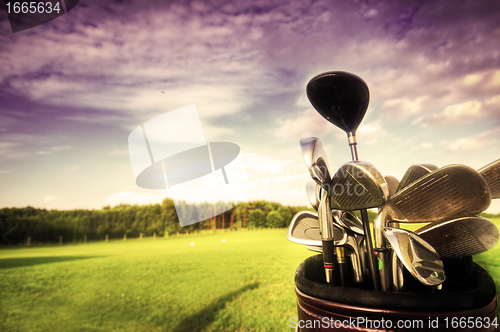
point(342, 266)
point(369, 249)
point(329, 260)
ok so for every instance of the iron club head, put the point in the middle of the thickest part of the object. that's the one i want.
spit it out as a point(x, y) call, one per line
point(491, 173)
point(358, 185)
point(349, 221)
point(419, 258)
point(450, 192)
point(460, 237)
point(312, 190)
point(392, 184)
point(305, 230)
point(415, 172)
point(315, 157)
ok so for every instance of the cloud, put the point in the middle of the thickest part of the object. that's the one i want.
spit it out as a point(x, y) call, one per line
point(474, 143)
point(49, 198)
point(457, 114)
point(397, 110)
point(492, 107)
point(72, 168)
point(370, 132)
point(306, 124)
point(424, 146)
point(15, 146)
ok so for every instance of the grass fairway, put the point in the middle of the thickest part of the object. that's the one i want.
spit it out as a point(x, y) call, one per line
point(243, 284)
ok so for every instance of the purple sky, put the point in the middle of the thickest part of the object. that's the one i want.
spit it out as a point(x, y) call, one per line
point(73, 89)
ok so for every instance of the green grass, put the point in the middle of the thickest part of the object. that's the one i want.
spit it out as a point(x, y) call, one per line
point(243, 284)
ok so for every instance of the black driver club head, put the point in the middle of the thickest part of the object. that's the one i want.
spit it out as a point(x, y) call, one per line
point(340, 97)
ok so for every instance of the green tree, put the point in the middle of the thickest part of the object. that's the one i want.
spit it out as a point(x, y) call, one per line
point(274, 219)
point(256, 219)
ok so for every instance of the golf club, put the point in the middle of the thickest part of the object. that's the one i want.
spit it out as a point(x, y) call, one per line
point(315, 157)
point(491, 173)
point(347, 240)
point(412, 174)
point(317, 165)
point(460, 237)
point(415, 172)
point(358, 185)
point(342, 98)
point(313, 191)
point(418, 256)
point(450, 192)
point(304, 229)
point(392, 183)
point(348, 220)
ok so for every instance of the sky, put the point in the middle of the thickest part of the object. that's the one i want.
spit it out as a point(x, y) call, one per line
point(73, 89)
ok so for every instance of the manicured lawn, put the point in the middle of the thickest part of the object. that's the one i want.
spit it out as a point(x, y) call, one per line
point(233, 281)
point(245, 283)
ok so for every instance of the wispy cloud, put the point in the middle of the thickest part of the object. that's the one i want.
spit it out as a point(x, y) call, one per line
point(478, 142)
point(73, 168)
point(424, 146)
point(457, 114)
point(308, 123)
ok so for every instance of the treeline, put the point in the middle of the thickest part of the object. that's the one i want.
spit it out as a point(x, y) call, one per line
point(46, 226)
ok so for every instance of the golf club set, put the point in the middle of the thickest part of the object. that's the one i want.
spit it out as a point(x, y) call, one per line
point(446, 199)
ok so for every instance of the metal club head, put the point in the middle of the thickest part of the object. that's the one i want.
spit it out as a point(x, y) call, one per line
point(450, 192)
point(304, 229)
point(349, 221)
point(358, 185)
point(491, 173)
point(315, 157)
point(312, 190)
point(415, 172)
point(347, 240)
point(419, 258)
point(392, 183)
point(460, 237)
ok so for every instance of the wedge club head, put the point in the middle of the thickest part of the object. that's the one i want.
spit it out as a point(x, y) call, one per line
point(419, 257)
